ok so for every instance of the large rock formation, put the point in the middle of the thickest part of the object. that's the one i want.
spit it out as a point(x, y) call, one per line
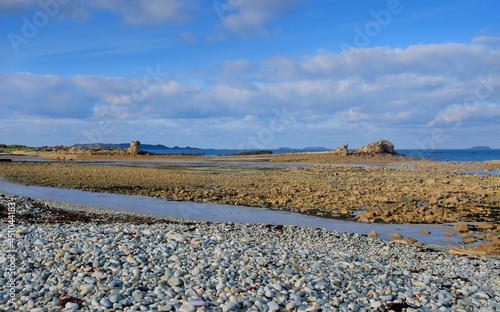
point(341, 150)
point(380, 147)
point(135, 148)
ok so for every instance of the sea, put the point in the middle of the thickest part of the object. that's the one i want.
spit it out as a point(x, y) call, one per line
point(436, 154)
point(454, 154)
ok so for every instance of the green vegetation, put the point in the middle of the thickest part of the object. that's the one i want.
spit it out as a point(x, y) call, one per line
point(15, 147)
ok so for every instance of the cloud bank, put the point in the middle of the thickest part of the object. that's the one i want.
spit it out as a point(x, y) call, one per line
point(381, 91)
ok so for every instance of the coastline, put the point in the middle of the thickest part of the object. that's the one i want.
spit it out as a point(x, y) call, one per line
point(369, 191)
point(404, 192)
point(74, 257)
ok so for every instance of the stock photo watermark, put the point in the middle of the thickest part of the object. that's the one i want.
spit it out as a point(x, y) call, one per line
point(32, 26)
point(225, 7)
point(483, 91)
point(363, 36)
point(10, 252)
point(137, 94)
point(281, 120)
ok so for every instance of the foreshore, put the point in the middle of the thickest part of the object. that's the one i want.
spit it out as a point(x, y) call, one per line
point(376, 188)
point(82, 258)
point(389, 192)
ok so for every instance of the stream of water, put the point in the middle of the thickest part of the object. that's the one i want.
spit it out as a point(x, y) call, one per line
point(225, 213)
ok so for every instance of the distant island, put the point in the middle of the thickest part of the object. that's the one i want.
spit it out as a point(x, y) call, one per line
point(147, 147)
point(158, 147)
point(126, 145)
point(480, 148)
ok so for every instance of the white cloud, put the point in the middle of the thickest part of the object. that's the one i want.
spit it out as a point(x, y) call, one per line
point(132, 11)
point(379, 90)
point(232, 96)
point(248, 18)
point(352, 114)
point(15, 5)
point(249, 118)
point(247, 23)
point(486, 39)
point(454, 113)
point(151, 11)
point(44, 95)
point(434, 59)
point(457, 114)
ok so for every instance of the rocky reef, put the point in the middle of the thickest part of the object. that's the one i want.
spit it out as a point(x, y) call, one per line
point(379, 147)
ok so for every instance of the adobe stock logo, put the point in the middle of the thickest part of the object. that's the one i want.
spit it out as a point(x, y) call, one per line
point(31, 27)
point(225, 7)
point(364, 35)
point(483, 91)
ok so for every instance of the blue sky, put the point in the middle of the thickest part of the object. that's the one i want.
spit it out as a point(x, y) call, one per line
point(250, 74)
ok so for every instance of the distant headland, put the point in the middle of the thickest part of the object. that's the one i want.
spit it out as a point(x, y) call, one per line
point(480, 148)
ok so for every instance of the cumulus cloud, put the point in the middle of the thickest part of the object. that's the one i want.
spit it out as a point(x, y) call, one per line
point(456, 114)
point(486, 39)
point(249, 18)
point(230, 95)
point(14, 6)
point(380, 90)
point(25, 94)
point(132, 11)
point(149, 12)
point(352, 114)
point(450, 58)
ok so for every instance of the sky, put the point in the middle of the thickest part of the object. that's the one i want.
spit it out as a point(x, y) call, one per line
point(250, 74)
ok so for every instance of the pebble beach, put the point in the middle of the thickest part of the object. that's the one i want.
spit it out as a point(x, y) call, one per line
point(74, 258)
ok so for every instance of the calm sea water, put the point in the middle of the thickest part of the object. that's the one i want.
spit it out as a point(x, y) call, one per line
point(454, 155)
point(438, 155)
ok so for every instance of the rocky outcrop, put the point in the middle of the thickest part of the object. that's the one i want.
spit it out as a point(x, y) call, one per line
point(380, 147)
point(135, 148)
point(341, 150)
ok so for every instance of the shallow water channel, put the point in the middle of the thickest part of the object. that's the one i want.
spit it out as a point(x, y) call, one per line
point(225, 213)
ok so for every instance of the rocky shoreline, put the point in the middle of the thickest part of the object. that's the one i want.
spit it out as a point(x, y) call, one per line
point(408, 194)
point(97, 260)
point(411, 192)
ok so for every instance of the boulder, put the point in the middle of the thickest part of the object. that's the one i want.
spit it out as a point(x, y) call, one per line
point(396, 235)
point(486, 226)
point(380, 147)
point(410, 241)
point(461, 227)
point(341, 150)
point(135, 148)
point(469, 240)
